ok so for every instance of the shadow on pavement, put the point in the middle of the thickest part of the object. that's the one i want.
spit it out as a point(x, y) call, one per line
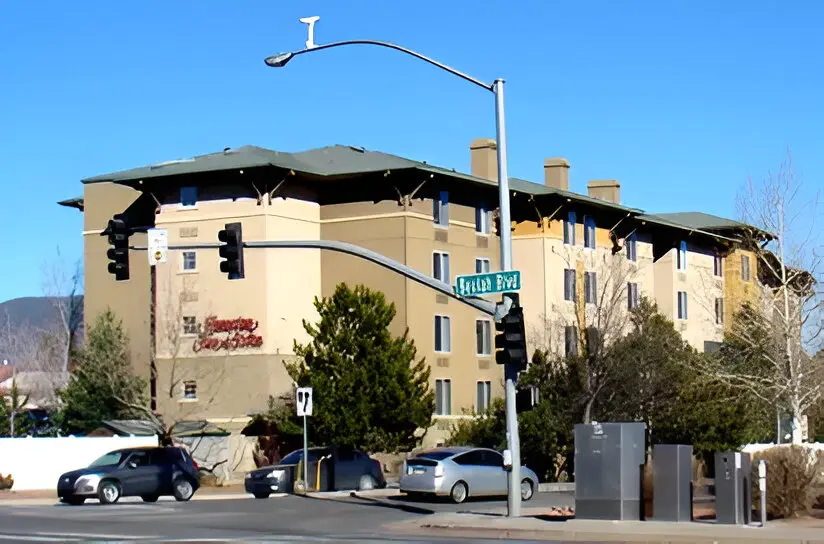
point(369, 501)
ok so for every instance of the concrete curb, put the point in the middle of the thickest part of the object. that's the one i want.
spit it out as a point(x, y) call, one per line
point(556, 487)
point(530, 528)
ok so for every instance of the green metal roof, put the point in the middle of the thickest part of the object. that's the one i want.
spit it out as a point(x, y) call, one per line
point(699, 220)
point(342, 160)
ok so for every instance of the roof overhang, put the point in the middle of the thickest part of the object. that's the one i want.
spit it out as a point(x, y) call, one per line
point(77, 203)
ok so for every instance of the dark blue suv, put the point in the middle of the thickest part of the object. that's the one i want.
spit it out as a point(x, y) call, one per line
point(133, 472)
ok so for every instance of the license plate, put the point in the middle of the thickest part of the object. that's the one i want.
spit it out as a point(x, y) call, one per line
point(419, 471)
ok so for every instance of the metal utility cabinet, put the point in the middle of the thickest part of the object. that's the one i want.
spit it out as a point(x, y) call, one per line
point(608, 464)
point(733, 494)
point(671, 482)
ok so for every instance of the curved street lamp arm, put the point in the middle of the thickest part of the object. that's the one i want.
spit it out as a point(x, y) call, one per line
point(402, 49)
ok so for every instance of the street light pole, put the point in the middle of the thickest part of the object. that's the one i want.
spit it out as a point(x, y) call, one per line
point(497, 88)
point(513, 499)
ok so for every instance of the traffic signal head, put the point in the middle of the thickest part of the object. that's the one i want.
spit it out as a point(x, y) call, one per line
point(231, 249)
point(510, 342)
point(118, 254)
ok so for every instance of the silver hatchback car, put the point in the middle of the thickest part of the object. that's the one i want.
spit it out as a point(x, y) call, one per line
point(462, 472)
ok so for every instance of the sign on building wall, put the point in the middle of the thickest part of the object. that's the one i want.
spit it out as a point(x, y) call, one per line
point(229, 334)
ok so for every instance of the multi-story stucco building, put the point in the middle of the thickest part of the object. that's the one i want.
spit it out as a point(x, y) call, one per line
point(574, 251)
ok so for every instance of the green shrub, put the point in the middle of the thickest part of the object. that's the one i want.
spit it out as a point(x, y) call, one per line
point(794, 475)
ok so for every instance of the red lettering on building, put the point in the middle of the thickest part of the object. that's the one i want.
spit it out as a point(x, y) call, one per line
point(228, 334)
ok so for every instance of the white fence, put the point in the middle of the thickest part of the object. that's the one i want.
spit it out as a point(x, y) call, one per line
point(37, 463)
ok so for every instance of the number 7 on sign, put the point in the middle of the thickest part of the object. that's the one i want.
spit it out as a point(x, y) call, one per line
point(304, 401)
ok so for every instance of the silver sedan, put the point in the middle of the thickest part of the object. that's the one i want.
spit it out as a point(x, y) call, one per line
point(462, 472)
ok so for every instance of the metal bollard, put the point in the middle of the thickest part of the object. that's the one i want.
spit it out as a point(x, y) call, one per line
point(762, 487)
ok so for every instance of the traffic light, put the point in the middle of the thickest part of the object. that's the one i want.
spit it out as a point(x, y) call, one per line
point(511, 338)
point(119, 252)
point(231, 249)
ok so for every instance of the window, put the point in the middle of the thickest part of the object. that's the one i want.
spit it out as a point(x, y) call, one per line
point(569, 228)
point(188, 197)
point(481, 265)
point(718, 266)
point(682, 304)
point(443, 336)
point(632, 296)
point(569, 284)
point(189, 260)
point(719, 311)
point(570, 341)
point(190, 390)
point(481, 220)
point(138, 459)
point(443, 397)
point(593, 340)
point(440, 266)
point(745, 267)
point(483, 397)
point(590, 288)
point(632, 247)
point(682, 256)
point(189, 324)
point(440, 209)
point(589, 232)
point(483, 337)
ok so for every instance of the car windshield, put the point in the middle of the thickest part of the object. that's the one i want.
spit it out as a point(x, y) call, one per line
point(297, 455)
point(111, 458)
point(436, 455)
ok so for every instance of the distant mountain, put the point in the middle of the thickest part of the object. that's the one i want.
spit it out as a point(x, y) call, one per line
point(37, 312)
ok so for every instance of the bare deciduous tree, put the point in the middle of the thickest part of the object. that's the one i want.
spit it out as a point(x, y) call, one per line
point(63, 286)
point(598, 316)
point(779, 335)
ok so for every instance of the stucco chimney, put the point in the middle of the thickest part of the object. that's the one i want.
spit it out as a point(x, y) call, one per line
point(608, 189)
point(556, 173)
point(484, 154)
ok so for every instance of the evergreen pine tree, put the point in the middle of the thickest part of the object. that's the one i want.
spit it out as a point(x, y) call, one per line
point(369, 391)
point(102, 385)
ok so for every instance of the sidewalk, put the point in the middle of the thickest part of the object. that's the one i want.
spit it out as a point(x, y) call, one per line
point(44, 497)
point(535, 526)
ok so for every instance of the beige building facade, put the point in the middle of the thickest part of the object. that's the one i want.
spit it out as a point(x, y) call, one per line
point(585, 260)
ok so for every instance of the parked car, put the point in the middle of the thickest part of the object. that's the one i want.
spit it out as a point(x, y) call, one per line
point(330, 469)
point(462, 472)
point(133, 472)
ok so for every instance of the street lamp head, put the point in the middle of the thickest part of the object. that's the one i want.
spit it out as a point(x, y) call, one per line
point(278, 61)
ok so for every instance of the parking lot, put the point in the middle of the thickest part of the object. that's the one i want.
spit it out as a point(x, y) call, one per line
point(334, 517)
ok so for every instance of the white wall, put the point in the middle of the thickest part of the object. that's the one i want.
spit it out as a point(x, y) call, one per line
point(37, 463)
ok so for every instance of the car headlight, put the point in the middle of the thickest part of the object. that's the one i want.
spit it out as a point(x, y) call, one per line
point(87, 483)
point(276, 474)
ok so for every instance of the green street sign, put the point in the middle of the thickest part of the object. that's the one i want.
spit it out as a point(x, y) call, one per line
point(485, 284)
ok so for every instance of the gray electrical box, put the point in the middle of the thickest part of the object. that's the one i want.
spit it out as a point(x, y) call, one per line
point(671, 482)
point(608, 465)
point(733, 494)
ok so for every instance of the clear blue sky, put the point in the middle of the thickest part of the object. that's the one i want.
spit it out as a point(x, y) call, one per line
point(679, 100)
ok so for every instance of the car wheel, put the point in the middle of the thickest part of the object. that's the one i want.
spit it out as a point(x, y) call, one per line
point(459, 493)
point(74, 501)
point(261, 494)
point(182, 489)
point(109, 492)
point(367, 482)
point(149, 498)
point(527, 489)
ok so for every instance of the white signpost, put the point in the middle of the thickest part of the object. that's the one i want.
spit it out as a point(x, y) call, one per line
point(158, 245)
point(303, 398)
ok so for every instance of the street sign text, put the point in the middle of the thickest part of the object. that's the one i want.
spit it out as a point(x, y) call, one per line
point(485, 284)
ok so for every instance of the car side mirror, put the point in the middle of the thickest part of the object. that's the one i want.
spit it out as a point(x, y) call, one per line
point(132, 464)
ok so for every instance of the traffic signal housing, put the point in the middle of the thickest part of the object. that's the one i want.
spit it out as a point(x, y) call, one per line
point(510, 342)
point(231, 249)
point(118, 254)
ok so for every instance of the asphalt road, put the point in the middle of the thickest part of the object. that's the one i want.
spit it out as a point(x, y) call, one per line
point(337, 518)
